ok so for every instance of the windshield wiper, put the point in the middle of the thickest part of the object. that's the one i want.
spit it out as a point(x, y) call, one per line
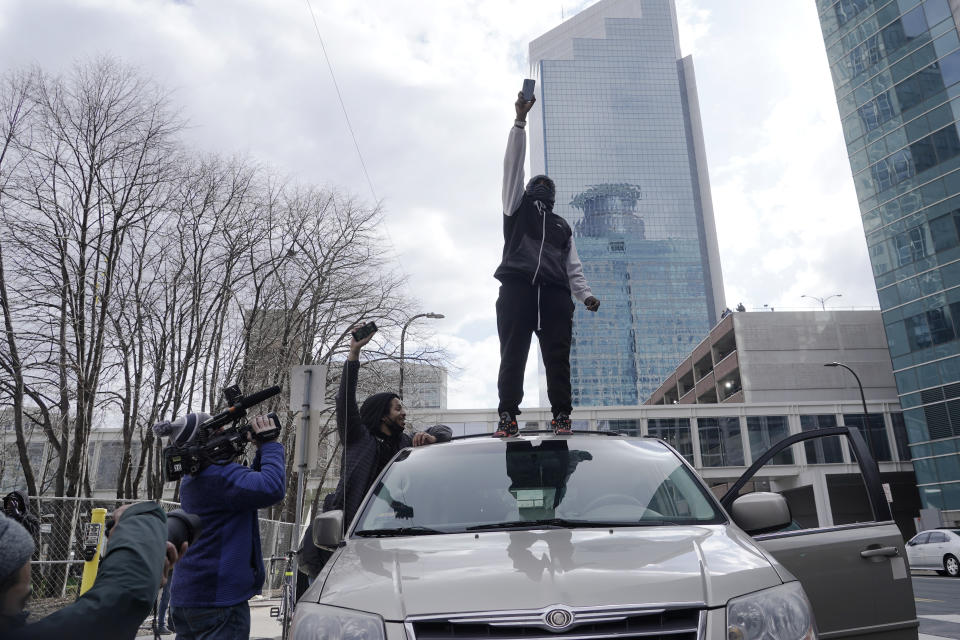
point(546, 523)
point(400, 531)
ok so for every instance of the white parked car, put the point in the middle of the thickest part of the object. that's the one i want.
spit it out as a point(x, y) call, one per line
point(937, 549)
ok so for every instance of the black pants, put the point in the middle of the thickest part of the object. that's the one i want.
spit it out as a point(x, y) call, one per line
point(517, 309)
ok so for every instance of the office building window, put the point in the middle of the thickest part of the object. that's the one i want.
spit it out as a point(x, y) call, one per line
point(873, 432)
point(766, 431)
point(821, 450)
point(720, 443)
point(675, 431)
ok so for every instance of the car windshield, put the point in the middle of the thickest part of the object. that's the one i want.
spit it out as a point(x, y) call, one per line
point(490, 484)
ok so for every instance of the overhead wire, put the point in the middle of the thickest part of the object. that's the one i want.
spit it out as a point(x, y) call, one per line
point(343, 106)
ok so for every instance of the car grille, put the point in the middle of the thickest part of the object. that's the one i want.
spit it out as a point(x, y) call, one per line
point(647, 622)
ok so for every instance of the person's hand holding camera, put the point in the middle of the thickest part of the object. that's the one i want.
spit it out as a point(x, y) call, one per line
point(523, 107)
point(356, 345)
point(592, 303)
point(259, 425)
point(173, 554)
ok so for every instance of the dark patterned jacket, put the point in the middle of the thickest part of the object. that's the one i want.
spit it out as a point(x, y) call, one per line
point(361, 447)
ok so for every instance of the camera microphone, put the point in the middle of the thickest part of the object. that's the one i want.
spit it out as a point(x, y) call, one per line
point(258, 397)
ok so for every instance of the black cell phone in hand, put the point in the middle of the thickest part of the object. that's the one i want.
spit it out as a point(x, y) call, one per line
point(364, 331)
point(528, 86)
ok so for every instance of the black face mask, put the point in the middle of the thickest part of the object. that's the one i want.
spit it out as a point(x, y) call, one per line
point(542, 192)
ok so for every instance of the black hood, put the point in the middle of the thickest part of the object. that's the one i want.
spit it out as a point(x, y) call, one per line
point(544, 191)
point(374, 408)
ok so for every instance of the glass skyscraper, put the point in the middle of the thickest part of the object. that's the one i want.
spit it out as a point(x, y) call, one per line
point(617, 127)
point(896, 71)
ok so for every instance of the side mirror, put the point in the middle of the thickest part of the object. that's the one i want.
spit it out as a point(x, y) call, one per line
point(328, 529)
point(760, 512)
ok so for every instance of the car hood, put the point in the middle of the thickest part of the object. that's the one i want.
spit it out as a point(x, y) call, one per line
point(489, 571)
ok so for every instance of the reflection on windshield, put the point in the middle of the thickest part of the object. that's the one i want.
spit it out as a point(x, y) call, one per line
point(527, 484)
point(538, 475)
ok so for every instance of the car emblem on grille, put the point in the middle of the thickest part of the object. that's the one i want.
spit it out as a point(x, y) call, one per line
point(558, 618)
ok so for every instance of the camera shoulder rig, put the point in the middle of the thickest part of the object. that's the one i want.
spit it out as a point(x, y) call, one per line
point(221, 438)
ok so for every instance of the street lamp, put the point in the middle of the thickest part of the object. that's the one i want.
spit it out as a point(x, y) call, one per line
point(857, 378)
point(403, 335)
point(823, 305)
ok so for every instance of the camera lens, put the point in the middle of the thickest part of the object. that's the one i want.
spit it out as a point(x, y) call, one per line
point(183, 527)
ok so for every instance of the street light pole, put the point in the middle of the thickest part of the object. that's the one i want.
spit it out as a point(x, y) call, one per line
point(403, 336)
point(860, 386)
point(823, 303)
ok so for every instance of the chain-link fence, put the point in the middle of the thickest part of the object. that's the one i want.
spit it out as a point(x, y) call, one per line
point(57, 563)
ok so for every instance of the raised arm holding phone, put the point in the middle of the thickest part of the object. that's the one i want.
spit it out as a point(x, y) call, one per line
point(539, 272)
point(371, 433)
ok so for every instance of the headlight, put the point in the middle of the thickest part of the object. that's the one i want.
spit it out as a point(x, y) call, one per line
point(320, 622)
point(780, 613)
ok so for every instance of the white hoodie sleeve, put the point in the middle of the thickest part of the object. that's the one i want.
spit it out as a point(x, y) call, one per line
point(578, 282)
point(513, 170)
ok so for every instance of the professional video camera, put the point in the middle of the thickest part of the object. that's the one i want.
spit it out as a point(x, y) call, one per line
point(221, 438)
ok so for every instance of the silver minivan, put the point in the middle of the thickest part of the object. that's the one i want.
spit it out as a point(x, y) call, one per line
point(598, 536)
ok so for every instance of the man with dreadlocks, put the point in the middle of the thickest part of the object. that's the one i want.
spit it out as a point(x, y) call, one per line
point(539, 271)
point(371, 436)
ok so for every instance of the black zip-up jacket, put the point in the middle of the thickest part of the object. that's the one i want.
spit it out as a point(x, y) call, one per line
point(538, 244)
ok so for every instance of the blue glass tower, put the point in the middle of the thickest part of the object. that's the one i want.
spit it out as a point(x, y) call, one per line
point(617, 126)
point(896, 71)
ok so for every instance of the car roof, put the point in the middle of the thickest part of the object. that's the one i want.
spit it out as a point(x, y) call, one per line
point(549, 434)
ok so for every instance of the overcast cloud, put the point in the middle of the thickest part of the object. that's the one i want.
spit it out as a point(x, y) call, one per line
point(429, 86)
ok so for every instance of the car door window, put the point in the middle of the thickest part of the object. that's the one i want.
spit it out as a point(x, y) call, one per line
point(920, 539)
point(937, 537)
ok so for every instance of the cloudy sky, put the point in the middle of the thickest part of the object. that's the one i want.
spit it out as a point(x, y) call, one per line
point(429, 86)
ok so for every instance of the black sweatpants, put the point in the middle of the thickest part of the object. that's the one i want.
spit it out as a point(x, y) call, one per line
point(517, 308)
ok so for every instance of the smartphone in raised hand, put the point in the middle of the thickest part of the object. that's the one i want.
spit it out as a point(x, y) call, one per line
point(528, 86)
point(364, 331)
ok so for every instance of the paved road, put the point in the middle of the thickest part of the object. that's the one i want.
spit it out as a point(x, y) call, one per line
point(938, 606)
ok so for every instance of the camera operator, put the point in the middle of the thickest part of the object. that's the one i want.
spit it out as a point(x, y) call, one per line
point(224, 570)
point(137, 559)
point(371, 436)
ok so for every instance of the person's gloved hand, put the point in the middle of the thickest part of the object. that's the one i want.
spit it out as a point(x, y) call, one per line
point(592, 303)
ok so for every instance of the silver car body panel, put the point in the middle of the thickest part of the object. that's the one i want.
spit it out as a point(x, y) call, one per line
point(582, 568)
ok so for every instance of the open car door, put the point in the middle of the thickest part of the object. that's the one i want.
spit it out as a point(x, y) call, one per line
point(855, 575)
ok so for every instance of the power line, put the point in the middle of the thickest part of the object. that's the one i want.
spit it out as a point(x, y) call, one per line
point(346, 117)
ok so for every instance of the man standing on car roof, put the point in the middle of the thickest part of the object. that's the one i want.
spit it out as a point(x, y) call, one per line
point(539, 271)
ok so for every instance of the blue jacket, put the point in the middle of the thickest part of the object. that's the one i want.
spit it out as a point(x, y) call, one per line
point(225, 566)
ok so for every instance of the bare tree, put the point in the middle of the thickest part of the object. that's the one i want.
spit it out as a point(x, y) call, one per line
point(138, 278)
point(15, 107)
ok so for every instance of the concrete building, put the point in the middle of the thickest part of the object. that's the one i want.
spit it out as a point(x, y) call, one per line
point(896, 73)
point(617, 126)
point(424, 386)
point(778, 357)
